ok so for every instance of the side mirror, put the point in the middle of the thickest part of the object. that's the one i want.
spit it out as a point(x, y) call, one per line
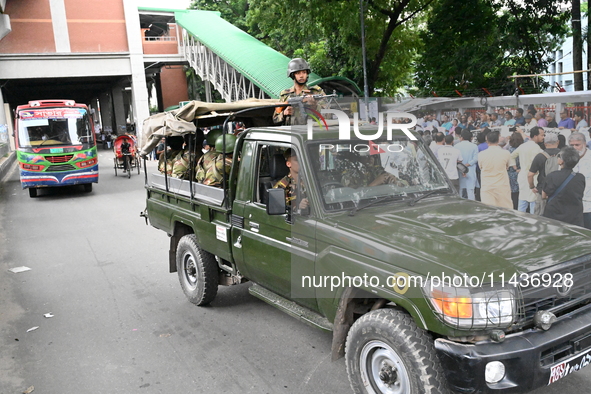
point(276, 201)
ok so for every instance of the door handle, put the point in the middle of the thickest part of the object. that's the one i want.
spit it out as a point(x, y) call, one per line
point(254, 227)
point(238, 243)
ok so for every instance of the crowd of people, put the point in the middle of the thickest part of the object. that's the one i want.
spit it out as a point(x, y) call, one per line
point(536, 170)
point(504, 117)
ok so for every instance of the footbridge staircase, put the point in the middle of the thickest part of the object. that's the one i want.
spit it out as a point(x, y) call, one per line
point(235, 63)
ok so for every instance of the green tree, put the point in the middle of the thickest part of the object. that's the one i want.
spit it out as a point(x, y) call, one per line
point(234, 11)
point(328, 34)
point(534, 30)
point(478, 44)
point(461, 48)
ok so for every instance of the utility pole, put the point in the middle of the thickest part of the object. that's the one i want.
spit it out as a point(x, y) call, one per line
point(577, 44)
point(365, 87)
point(588, 49)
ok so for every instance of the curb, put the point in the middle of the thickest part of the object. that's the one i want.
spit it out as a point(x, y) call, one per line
point(5, 165)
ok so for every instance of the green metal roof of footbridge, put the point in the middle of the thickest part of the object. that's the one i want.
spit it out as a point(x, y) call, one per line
point(261, 64)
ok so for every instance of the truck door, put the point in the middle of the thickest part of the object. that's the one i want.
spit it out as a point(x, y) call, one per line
point(276, 251)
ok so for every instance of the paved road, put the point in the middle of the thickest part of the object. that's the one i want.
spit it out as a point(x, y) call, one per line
point(121, 322)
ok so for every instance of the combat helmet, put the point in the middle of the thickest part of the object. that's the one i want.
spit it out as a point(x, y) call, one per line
point(297, 64)
point(230, 143)
point(212, 137)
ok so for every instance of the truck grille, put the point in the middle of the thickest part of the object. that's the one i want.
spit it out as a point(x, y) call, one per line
point(62, 167)
point(558, 298)
point(564, 350)
point(59, 159)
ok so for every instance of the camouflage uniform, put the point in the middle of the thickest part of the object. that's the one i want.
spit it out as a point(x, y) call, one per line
point(169, 158)
point(288, 184)
point(211, 168)
point(278, 117)
point(205, 160)
point(183, 163)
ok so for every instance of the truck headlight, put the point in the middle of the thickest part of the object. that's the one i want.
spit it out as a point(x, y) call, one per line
point(469, 308)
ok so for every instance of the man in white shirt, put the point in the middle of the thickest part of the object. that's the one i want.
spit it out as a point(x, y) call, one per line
point(526, 153)
point(530, 122)
point(438, 141)
point(449, 157)
point(469, 153)
point(577, 141)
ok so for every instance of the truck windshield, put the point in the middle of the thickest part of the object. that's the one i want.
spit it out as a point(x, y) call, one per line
point(54, 128)
point(347, 172)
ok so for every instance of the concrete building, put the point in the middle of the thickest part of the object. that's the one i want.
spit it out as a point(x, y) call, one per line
point(111, 54)
point(563, 63)
point(103, 53)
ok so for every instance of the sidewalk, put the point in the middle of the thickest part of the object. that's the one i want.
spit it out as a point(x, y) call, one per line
point(6, 163)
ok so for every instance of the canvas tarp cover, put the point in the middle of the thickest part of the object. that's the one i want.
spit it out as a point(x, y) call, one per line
point(179, 122)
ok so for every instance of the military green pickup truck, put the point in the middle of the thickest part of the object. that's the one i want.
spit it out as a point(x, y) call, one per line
point(425, 292)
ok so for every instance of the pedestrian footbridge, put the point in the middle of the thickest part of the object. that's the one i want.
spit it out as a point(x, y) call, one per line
point(236, 64)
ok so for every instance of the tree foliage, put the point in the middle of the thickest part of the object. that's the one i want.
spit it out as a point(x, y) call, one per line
point(478, 44)
point(436, 45)
point(460, 47)
point(328, 34)
point(234, 11)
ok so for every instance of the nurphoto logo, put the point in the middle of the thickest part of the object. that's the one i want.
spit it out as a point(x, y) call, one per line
point(345, 125)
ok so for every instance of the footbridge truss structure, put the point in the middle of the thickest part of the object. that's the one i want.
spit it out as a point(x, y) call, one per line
point(238, 65)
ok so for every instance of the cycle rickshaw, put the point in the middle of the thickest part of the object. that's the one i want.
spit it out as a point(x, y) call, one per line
point(126, 161)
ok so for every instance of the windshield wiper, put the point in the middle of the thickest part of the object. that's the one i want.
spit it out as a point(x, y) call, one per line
point(416, 199)
point(357, 208)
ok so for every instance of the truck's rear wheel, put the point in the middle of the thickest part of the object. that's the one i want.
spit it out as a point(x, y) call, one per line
point(387, 353)
point(197, 270)
point(32, 192)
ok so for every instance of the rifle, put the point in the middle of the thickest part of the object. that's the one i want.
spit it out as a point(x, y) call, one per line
point(297, 102)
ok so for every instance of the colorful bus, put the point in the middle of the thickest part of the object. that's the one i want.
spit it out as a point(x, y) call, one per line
point(56, 145)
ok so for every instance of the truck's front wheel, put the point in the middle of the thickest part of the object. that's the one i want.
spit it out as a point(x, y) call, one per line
point(387, 353)
point(197, 270)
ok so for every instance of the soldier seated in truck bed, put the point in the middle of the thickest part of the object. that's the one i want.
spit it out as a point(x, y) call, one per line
point(211, 169)
point(169, 156)
point(190, 155)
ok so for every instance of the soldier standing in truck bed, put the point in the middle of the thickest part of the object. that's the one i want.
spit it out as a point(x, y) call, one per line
point(298, 70)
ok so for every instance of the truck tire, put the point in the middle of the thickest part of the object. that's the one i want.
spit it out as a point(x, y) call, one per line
point(197, 270)
point(387, 353)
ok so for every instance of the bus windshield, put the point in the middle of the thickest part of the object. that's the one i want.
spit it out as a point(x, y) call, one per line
point(54, 127)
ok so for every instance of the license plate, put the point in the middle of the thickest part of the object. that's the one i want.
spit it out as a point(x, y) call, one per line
point(574, 364)
point(56, 150)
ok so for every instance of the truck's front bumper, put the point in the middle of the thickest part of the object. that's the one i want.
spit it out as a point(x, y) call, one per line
point(532, 359)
